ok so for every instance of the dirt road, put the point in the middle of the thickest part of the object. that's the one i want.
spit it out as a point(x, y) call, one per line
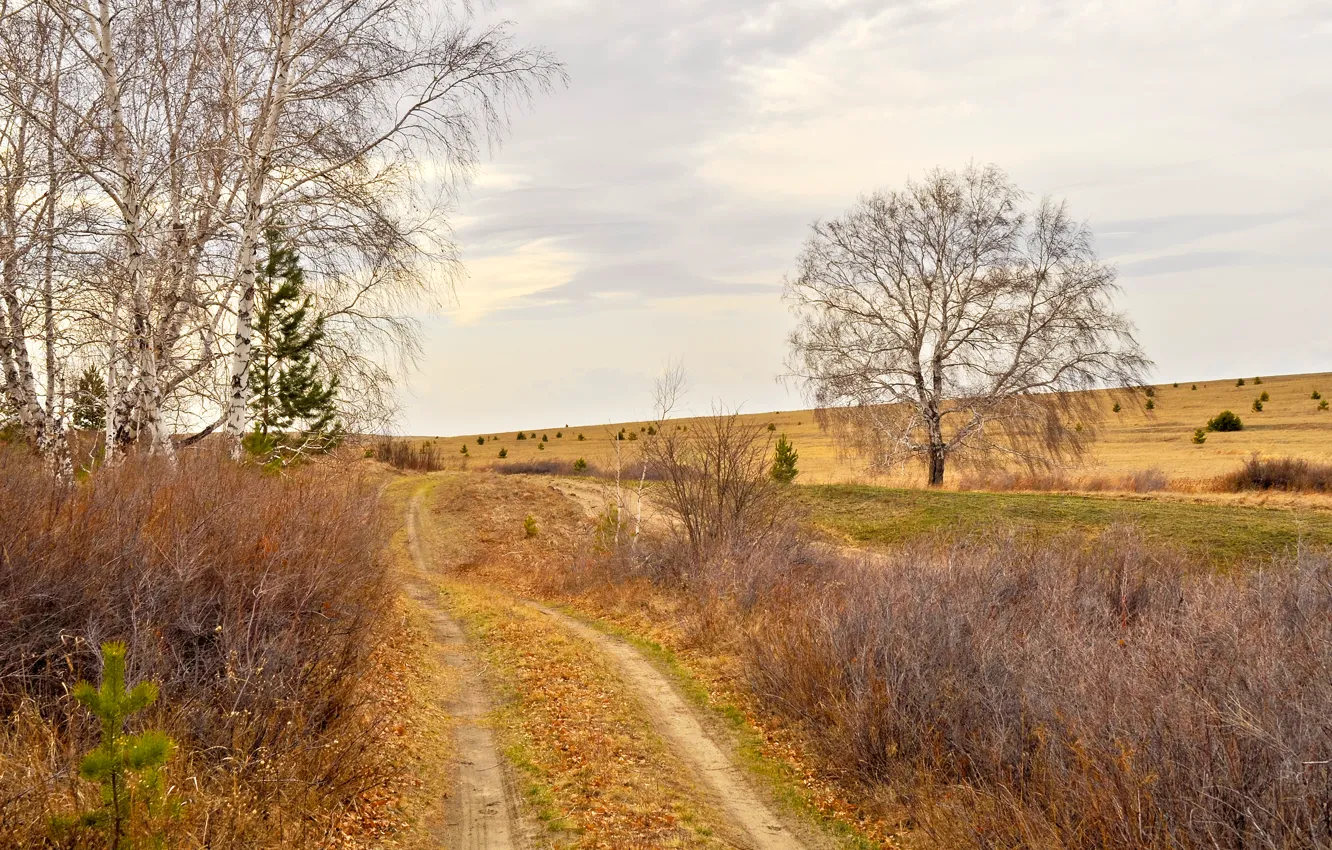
point(482, 812)
point(676, 721)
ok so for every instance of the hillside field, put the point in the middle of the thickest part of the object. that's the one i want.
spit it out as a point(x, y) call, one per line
point(1133, 440)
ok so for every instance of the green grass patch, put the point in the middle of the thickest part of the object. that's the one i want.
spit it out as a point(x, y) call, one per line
point(885, 517)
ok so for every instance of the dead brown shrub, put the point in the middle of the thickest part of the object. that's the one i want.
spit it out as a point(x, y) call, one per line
point(256, 601)
point(1288, 473)
point(1068, 695)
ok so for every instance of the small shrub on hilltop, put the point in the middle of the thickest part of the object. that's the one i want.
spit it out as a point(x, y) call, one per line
point(1199, 436)
point(1264, 396)
point(1239, 382)
point(1195, 386)
point(772, 426)
point(541, 447)
point(503, 453)
point(559, 434)
point(530, 526)
point(1322, 405)
point(1151, 404)
point(1316, 395)
point(522, 436)
point(632, 436)
point(1151, 392)
point(1257, 405)
point(1257, 381)
point(580, 465)
point(464, 449)
point(651, 430)
point(480, 441)
point(1175, 385)
point(1118, 407)
point(1225, 421)
point(581, 438)
point(545, 438)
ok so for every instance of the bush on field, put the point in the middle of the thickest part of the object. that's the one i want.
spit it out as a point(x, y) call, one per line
point(256, 602)
point(408, 455)
point(1225, 421)
point(1279, 474)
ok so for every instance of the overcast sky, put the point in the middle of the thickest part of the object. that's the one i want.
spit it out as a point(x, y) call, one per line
point(649, 211)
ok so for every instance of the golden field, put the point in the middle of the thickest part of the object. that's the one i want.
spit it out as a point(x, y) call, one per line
point(1133, 440)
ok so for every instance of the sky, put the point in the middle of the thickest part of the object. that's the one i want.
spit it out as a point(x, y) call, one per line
point(647, 212)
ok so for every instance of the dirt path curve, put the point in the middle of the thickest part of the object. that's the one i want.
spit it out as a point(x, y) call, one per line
point(482, 814)
point(677, 723)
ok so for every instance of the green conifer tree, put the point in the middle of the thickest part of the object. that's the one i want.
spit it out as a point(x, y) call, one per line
point(129, 768)
point(784, 462)
point(90, 400)
point(289, 390)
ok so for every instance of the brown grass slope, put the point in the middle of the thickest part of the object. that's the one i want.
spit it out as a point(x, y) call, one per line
point(1132, 440)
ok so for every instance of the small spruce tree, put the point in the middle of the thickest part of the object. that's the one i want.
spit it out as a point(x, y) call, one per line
point(480, 441)
point(1322, 405)
point(1316, 395)
point(129, 768)
point(522, 436)
point(289, 388)
point(1239, 382)
point(580, 465)
point(784, 459)
point(90, 400)
point(503, 453)
point(1151, 404)
point(1118, 407)
point(1257, 405)
point(1200, 436)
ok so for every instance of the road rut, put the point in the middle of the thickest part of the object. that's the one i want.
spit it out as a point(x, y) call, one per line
point(677, 723)
point(482, 812)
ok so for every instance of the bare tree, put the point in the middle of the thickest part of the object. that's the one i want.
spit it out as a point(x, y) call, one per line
point(713, 474)
point(335, 109)
point(948, 320)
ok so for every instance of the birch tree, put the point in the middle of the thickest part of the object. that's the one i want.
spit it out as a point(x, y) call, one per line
point(951, 319)
point(342, 106)
point(147, 144)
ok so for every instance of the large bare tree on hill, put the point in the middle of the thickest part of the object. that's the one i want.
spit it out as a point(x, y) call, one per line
point(951, 319)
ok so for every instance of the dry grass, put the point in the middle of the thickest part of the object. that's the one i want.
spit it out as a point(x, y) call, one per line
point(1130, 441)
point(259, 603)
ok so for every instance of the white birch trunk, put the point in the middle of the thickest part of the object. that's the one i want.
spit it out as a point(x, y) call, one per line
point(143, 390)
point(260, 161)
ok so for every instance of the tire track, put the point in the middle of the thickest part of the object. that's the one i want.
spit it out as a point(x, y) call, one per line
point(482, 813)
point(679, 726)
